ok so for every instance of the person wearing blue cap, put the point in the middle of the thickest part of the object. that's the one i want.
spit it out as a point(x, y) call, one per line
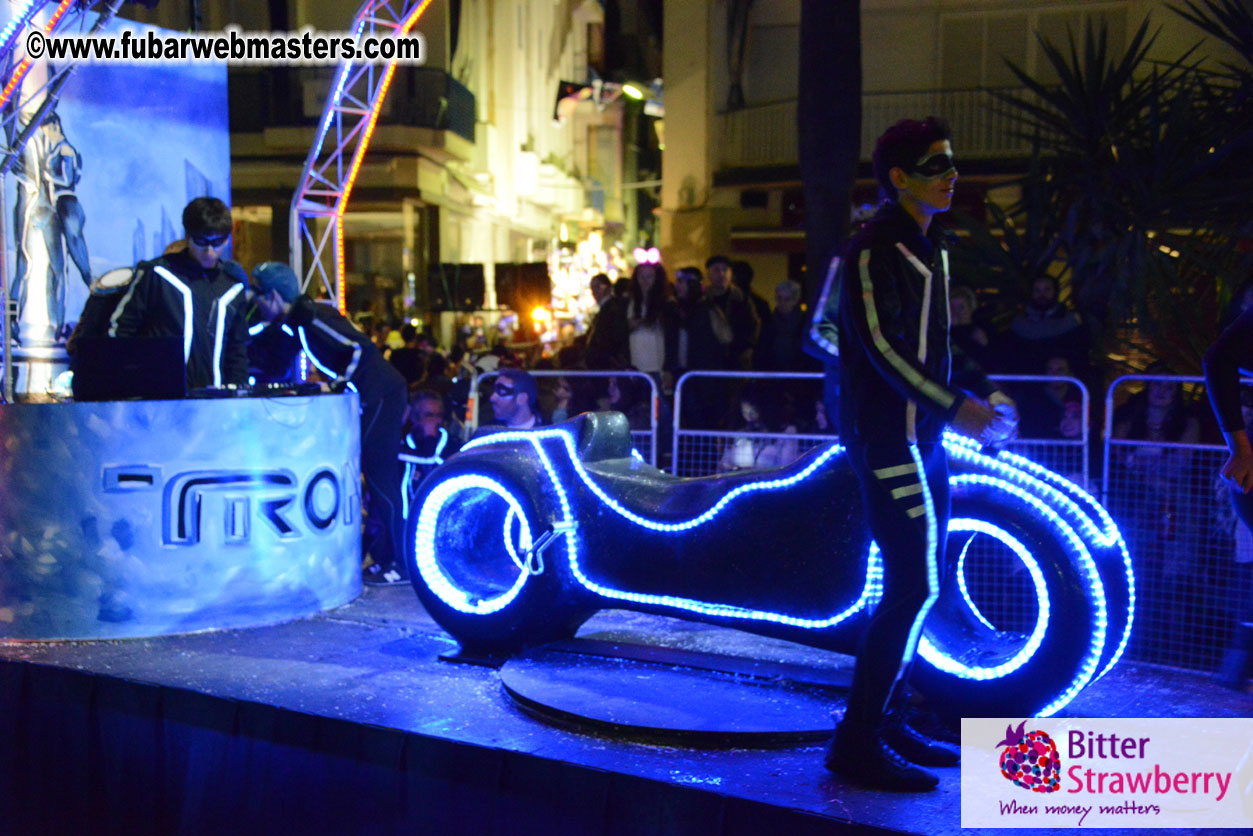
point(347, 357)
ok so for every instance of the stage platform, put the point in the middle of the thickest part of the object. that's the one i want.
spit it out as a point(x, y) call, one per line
point(348, 723)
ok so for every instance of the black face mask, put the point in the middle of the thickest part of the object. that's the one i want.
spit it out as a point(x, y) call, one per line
point(209, 239)
point(932, 166)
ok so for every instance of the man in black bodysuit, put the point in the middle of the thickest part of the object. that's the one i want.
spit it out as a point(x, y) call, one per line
point(1232, 351)
point(895, 400)
point(198, 281)
point(347, 356)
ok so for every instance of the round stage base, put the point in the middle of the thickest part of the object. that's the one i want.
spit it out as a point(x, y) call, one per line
point(134, 519)
point(653, 693)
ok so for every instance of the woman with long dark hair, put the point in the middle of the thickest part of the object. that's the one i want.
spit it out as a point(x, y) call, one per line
point(651, 316)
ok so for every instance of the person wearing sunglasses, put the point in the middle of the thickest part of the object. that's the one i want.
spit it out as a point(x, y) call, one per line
point(196, 294)
point(348, 358)
point(896, 397)
point(514, 400)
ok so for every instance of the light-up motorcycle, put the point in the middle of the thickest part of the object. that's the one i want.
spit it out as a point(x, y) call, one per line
point(524, 535)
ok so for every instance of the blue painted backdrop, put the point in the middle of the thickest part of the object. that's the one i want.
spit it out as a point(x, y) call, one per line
point(151, 138)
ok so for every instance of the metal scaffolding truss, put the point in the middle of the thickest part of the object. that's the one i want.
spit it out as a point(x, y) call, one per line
point(348, 119)
point(23, 107)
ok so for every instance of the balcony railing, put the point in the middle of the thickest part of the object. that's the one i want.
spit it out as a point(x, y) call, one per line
point(765, 135)
point(419, 97)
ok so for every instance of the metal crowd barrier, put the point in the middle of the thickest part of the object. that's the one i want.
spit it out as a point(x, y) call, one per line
point(644, 441)
point(1193, 561)
point(1065, 455)
point(704, 450)
point(701, 451)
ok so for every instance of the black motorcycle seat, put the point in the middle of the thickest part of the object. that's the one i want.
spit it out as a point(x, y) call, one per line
point(652, 493)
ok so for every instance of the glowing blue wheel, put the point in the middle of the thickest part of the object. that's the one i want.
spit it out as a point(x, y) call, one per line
point(478, 564)
point(1019, 625)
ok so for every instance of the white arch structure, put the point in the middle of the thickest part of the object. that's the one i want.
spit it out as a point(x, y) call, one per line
point(348, 120)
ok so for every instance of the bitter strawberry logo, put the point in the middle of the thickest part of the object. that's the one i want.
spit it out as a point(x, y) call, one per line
point(1030, 759)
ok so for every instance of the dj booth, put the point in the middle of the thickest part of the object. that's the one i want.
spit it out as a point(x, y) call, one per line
point(144, 518)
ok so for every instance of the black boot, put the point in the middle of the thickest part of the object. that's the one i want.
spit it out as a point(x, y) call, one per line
point(1234, 670)
point(859, 753)
point(915, 746)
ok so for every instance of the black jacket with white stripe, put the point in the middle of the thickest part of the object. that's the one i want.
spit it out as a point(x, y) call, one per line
point(174, 296)
point(340, 351)
point(895, 359)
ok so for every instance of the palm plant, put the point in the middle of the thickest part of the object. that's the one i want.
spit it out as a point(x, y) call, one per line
point(1138, 191)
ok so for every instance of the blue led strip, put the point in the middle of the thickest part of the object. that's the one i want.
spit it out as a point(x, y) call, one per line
point(1060, 491)
point(932, 654)
point(404, 490)
point(1015, 482)
point(345, 70)
point(313, 357)
point(507, 535)
point(1087, 566)
point(19, 19)
point(702, 607)
point(535, 436)
point(410, 461)
point(424, 545)
point(961, 580)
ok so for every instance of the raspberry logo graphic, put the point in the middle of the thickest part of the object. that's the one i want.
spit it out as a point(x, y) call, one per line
point(1030, 759)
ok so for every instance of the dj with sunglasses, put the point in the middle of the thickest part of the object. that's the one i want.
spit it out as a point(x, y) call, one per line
point(194, 294)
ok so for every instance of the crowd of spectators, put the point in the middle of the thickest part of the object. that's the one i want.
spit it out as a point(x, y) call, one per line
point(711, 319)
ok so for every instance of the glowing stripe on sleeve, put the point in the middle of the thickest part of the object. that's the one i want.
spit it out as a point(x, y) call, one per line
point(224, 302)
point(287, 329)
point(948, 320)
point(121, 305)
point(820, 311)
point(188, 309)
point(335, 335)
point(313, 358)
point(914, 260)
point(924, 322)
point(911, 375)
point(257, 329)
